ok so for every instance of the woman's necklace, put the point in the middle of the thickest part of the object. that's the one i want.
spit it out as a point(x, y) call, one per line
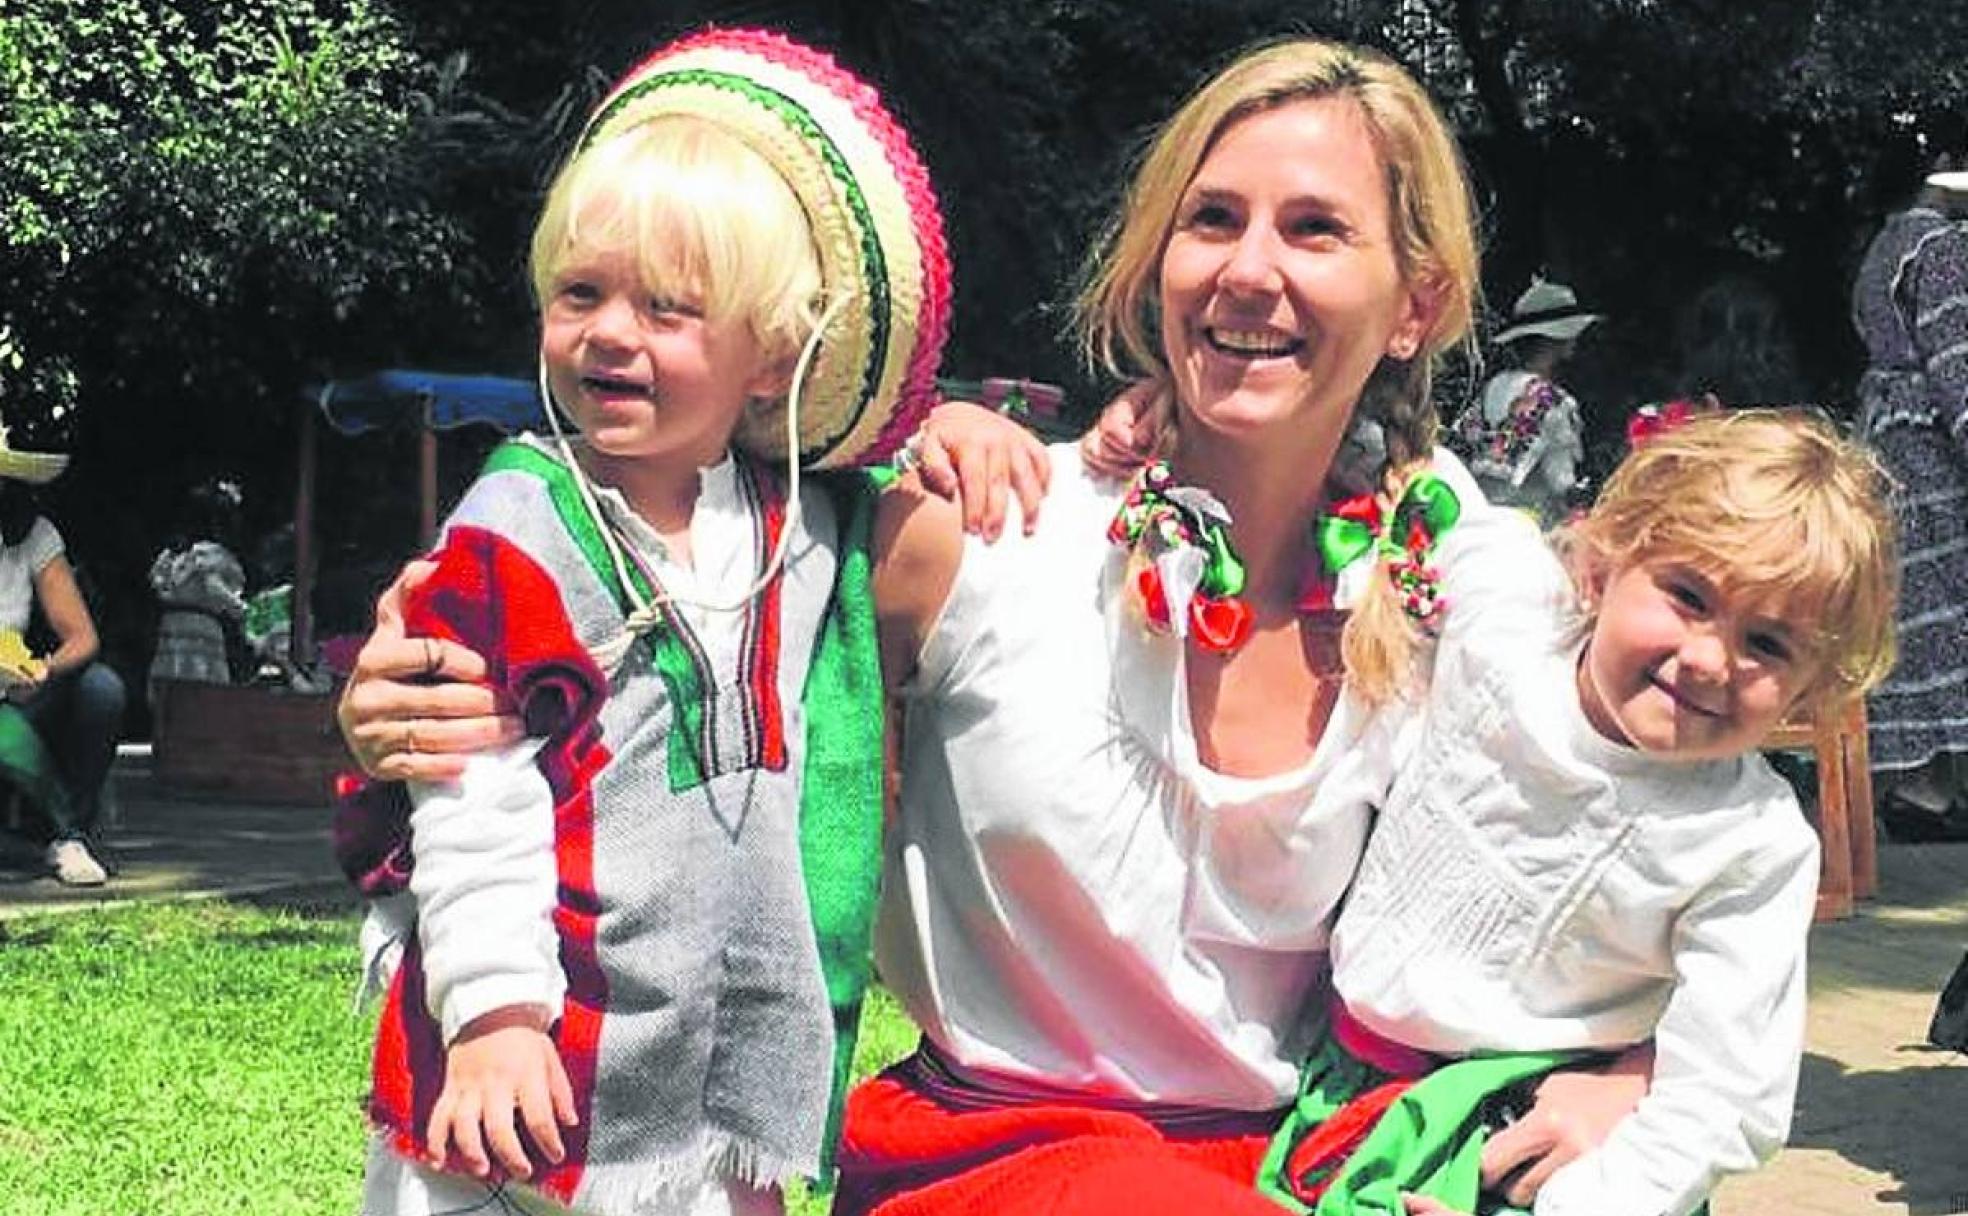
point(1190, 581)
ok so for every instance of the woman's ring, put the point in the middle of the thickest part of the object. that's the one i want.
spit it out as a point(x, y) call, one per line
point(433, 657)
point(410, 738)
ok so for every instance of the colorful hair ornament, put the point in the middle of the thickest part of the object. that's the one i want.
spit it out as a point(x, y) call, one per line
point(1356, 527)
point(1193, 582)
point(1650, 420)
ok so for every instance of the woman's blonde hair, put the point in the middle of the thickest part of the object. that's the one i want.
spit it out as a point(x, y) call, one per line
point(1776, 505)
point(707, 219)
point(1428, 203)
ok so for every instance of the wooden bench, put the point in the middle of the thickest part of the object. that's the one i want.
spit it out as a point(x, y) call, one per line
point(1849, 863)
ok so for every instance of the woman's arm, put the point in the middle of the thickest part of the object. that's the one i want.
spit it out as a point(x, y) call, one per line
point(918, 545)
point(1940, 326)
point(60, 597)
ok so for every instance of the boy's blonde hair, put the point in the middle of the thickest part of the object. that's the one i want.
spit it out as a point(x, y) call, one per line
point(1430, 212)
point(708, 220)
point(1775, 504)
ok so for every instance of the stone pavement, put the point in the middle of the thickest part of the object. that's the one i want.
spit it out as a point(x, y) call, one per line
point(169, 846)
point(1882, 1122)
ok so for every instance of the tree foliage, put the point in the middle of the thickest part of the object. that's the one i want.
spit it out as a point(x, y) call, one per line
point(202, 207)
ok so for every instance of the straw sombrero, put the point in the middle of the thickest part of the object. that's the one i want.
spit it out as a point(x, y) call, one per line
point(878, 232)
point(35, 468)
point(1547, 310)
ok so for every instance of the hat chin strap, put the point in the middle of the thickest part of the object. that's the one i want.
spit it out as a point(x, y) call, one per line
point(647, 613)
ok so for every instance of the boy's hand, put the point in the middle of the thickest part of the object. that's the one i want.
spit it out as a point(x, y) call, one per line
point(1574, 1113)
point(502, 1070)
point(416, 708)
point(970, 455)
point(1123, 439)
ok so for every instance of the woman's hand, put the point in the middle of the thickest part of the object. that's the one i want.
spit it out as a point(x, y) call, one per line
point(1574, 1113)
point(1124, 438)
point(500, 1073)
point(972, 455)
point(415, 708)
point(1422, 1205)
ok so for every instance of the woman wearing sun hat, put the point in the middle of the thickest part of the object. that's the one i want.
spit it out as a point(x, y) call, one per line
point(1523, 436)
point(63, 709)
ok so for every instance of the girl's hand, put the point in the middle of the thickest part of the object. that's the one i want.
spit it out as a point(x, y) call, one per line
point(500, 1072)
point(971, 455)
point(415, 708)
point(1574, 1113)
point(1123, 439)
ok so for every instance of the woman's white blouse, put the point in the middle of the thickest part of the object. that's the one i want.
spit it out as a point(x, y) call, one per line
point(1071, 899)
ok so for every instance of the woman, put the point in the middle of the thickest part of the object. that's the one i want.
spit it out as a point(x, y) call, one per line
point(1523, 436)
point(63, 709)
point(1106, 897)
point(1910, 304)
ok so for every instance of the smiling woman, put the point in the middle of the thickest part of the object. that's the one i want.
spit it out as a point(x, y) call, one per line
point(1280, 286)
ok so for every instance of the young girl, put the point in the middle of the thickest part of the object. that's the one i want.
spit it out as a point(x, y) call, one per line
point(1580, 848)
point(640, 937)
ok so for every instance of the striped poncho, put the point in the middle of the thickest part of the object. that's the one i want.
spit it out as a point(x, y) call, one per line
point(716, 835)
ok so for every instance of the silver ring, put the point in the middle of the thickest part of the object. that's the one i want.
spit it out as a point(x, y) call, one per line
point(909, 456)
point(433, 657)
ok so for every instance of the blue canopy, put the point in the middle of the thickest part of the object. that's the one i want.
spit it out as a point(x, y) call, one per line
point(436, 399)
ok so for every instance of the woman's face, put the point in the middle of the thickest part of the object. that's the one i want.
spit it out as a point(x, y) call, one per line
point(1280, 290)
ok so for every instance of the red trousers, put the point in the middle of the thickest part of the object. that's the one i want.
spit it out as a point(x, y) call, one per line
point(907, 1152)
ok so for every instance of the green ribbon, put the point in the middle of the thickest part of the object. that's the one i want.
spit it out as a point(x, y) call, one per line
point(1355, 526)
point(1429, 502)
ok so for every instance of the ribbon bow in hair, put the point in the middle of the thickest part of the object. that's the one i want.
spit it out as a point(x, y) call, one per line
point(1356, 527)
point(1193, 581)
point(1650, 420)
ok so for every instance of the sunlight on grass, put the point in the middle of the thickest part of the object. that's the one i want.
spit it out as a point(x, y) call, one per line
point(181, 1059)
point(202, 1058)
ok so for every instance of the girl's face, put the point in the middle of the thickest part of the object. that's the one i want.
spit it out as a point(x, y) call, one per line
point(1685, 668)
point(646, 378)
point(1279, 287)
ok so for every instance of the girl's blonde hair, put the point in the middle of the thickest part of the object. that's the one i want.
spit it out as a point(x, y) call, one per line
point(707, 219)
point(1428, 203)
point(1776, 505)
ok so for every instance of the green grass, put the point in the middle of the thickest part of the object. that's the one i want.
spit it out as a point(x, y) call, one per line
point(203, 1058)
point(181, 1059)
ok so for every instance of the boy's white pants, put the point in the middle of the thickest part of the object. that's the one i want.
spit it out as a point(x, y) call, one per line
point(395, 1186)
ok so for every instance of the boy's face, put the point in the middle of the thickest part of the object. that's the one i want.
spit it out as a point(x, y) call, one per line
point(1687, 669)
point(645, 378)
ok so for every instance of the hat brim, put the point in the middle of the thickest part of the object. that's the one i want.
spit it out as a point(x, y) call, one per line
point(35, 468)
point(1953, 182)
point(877, 228)
point(1560, 328)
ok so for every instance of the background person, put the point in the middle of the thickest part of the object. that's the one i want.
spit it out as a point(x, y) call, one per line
point(1910, 305)
point(64, 709)
point(1523, 436)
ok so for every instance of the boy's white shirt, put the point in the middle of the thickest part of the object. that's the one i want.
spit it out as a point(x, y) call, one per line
point(484, 883)
point(1664, 901)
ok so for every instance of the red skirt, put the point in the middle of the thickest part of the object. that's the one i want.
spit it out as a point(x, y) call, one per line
point(920, 1140)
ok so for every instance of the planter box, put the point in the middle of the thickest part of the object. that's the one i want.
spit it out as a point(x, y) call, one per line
point(248, 743)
